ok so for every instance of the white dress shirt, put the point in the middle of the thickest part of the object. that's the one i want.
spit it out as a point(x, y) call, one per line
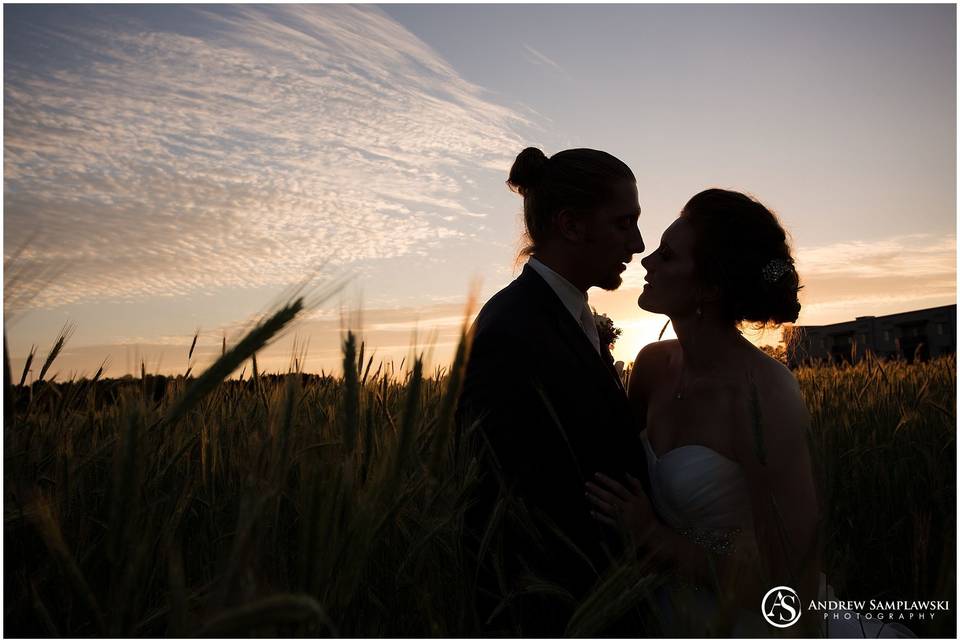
point(572, 298)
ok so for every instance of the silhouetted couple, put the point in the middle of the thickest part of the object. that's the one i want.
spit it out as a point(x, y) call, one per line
point(698, 474)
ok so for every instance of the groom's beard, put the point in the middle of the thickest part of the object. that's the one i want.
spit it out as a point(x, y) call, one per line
point(612, 283)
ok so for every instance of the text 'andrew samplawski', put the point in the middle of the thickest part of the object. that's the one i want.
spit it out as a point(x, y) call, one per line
point(880, 609)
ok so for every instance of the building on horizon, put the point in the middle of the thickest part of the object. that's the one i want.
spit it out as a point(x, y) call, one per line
point(920, 334)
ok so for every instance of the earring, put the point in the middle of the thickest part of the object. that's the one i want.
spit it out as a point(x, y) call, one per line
point(699, 312)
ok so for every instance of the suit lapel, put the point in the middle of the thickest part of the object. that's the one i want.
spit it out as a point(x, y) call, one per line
point(573, 335)
point(570, 330)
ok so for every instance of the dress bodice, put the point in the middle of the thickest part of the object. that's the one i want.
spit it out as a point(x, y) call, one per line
point(695, 487)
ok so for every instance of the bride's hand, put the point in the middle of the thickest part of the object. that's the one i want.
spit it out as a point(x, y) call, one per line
point(619, 506)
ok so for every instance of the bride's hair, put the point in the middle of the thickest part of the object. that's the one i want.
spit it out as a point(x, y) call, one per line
point(740, 246)
point(575, 179)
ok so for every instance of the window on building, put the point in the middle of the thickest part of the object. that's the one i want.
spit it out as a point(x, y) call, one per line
point(939, 328)
point(886, 336)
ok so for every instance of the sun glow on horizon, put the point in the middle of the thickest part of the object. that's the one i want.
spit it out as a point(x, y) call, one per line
point(646, 330)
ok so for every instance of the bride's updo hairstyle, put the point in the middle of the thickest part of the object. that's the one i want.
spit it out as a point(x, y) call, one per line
point(576, 179)
point(740, 247)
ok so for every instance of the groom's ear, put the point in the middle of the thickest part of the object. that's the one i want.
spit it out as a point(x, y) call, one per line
point(571, 225)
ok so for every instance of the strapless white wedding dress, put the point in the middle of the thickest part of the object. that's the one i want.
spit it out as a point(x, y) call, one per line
point(703, 495)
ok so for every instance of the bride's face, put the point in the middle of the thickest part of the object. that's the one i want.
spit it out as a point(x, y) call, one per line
point(671, 283)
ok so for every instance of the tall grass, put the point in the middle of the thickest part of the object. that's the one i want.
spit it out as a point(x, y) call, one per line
point(884, 442)
point(280, 505)
point(312, 505)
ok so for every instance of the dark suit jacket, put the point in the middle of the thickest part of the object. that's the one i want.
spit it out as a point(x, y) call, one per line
point(543, 412)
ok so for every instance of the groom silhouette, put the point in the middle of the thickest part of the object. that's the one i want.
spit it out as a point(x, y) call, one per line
point(542, 406)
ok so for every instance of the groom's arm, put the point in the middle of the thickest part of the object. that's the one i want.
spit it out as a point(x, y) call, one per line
point(496, 406)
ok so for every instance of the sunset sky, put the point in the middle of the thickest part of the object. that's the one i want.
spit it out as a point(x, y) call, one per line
point(175, 168)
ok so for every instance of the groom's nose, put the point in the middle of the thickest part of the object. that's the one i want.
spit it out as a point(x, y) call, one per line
point(636, 241)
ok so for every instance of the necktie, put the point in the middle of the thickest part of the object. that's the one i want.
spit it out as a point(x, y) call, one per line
point(589, 326)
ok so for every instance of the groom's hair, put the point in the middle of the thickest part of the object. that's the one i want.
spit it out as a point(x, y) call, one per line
point(741, 247)
point(575, 179)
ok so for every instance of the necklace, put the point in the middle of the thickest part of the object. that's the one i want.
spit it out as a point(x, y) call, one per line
point(681, 383)
point(685, 380)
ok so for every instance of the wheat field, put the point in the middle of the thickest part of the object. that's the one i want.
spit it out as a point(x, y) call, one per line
point(305, 505)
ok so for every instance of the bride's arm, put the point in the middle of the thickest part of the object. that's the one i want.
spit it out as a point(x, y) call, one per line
point(771, 446)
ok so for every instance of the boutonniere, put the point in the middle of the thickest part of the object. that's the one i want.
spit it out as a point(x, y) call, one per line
point(607, 332)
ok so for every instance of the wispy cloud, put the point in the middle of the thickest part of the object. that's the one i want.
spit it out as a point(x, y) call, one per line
point(918, 254)
point(156, 162)
point(536, 57)
point(849, 279)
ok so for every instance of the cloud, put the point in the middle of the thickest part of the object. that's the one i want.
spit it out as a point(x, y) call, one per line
point(535, 57)
point(921, 254)
point(238, 150)
point(849, 279)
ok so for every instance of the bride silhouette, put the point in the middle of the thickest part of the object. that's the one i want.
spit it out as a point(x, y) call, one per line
point(734, 508)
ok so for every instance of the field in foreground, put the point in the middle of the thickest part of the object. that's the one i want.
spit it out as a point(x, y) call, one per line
point(305, 505)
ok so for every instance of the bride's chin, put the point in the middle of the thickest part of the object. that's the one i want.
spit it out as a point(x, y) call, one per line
point(651, 307)
point(644, 304)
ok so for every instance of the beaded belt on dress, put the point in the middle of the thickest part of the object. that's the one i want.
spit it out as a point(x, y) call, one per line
point(717, 541)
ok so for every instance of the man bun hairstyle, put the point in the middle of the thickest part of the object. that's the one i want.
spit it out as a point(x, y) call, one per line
point(576, 179)
point(527, 170)
point(740, 246)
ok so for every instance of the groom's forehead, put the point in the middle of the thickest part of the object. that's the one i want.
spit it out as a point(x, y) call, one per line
point(624, 192)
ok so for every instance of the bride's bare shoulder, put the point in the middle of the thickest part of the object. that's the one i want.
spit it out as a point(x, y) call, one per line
point(657, 353)
point(651, 363)
point(772, 377)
